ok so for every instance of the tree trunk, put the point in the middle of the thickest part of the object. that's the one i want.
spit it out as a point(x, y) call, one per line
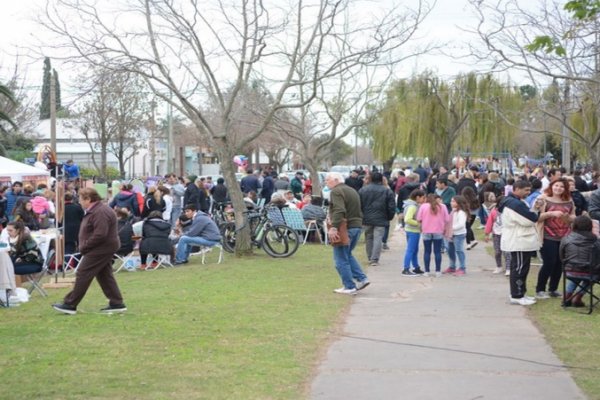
point(314, 178)
point(243, 241)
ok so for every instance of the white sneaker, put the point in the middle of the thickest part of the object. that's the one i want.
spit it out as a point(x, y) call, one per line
point(542, 295)
point(362, 284)
point(523, 301)
point(507, 273)
point(497, 271)
point(529, 297)
point(425, 274)
point(343, 290)
point(438, 274)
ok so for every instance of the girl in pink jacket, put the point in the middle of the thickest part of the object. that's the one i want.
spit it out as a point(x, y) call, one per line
point(433, 216)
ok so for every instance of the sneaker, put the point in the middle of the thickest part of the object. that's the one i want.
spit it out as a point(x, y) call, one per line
point(373, 264)
point(460, 272)
point(438, 274)
point(418, 271)
point(523, 301)
point(449, 270)
point(385, 246)
point(426, 274)
point(529, 297)
point(180, 262)
point(408, 272)
point(65, 308)
point(497, 271)
point(343, 290)
point(472, 244)
point(507, 273)
point(362, 284)
point(542, 296)
point(118, 308)
point(555, 294)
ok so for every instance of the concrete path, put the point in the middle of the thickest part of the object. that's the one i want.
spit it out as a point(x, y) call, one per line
point(440, 338)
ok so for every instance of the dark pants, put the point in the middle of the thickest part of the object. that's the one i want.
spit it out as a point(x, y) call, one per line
point(551, 267)
point(26, 268)
point(520, 261)
point(469, 226)
point(99, 267)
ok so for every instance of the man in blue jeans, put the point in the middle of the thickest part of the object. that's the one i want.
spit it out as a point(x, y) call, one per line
point(202, 232)
point(344, 203)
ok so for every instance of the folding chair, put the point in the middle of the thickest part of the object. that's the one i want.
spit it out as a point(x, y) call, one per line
point(584, 282)
point(161, 260)
point(71, 263)
point(123, 261)
point(293, 219)
point(205, 250)
point(35, 278)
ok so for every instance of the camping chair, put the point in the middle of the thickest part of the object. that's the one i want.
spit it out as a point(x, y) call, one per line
point(293, 219)
point(317, 227)
point(35, 278)
point(123, 261)
point(160, 261)
point(585, 282)
point(206, 250)
point(71, 263)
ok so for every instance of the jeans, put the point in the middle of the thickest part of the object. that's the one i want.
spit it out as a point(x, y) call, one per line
point(435, 239)
point(175, 213)
point(374, 241)
point(346, 265)
point(456, 248)
point(386, 234)
point(185, 244)
point(483, 215)
point(411, 256)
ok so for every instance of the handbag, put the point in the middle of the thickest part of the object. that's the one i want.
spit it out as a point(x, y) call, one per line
point(343, 238)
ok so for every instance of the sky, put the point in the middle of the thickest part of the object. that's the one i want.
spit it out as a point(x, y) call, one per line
point(17, 28)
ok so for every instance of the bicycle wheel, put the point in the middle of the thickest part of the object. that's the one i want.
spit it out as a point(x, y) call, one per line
point(228, 235)
point(280, 241)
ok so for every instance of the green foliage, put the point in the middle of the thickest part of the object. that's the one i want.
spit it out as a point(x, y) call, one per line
point(546, 44)
point(250, 328)
point(583, 9)
point(88, 173)
point(48, 75)
point(427, 117)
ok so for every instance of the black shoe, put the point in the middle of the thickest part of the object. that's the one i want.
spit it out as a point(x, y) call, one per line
point(117, 308)
point(417, 271)
point(65, 308)
point(408, 272)
point(180, 262)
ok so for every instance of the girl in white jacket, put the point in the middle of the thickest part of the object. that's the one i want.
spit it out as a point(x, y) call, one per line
point(456, 243)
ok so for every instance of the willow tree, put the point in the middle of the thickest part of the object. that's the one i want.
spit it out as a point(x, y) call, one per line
point(428, 117)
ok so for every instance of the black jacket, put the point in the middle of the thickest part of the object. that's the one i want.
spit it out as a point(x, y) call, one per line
point(463, 183)
point(128, 200)
point(125, 231)
point(191, 195)
point(73, 216)
point(155, 237)
point(354, 183)
point(594, 205)
point(377, 204)
point(405, 192)
point(580, 252)
point(219, 193)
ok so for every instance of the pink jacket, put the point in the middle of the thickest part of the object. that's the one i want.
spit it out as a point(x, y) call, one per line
point(40, 205)
point(430, 222)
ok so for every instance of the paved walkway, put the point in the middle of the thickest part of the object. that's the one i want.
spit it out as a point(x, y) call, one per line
point(440, 338)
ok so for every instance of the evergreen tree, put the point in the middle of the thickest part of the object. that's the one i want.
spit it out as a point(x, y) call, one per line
point(45, 103)
point(57, 85)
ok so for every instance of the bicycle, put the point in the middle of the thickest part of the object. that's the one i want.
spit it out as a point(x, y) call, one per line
point(277, 240)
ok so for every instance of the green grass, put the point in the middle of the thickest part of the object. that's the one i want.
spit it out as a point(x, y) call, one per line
point(574, 337)
point(246, 329)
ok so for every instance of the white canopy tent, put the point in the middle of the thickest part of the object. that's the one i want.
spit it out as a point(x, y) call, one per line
point(11, 171)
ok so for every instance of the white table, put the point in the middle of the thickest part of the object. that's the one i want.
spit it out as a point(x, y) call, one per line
point(44, 238)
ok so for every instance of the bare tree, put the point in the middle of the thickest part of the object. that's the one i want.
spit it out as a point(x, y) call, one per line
point(113, 116)
point(513, 35)
point(188, 52)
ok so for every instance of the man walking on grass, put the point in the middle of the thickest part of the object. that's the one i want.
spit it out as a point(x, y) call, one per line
point(344, 203)
point(98, 242)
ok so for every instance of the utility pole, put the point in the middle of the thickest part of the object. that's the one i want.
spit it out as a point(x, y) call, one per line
point(53, 114)
point(152, 144)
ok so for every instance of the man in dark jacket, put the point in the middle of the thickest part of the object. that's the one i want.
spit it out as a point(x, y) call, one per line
point(378, 207)
point(594, 205)
point(98, 241)
point(412, 183)
point(219, 192)
point(354, 181)
point(344, 204)
point(250, 182)
point(268, 186)
point(297, 185)
point(192, 192)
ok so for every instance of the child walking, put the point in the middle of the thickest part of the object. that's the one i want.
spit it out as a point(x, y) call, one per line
point(493, 230)
point(433, 216)
point(412, 227)
point(456, 235)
